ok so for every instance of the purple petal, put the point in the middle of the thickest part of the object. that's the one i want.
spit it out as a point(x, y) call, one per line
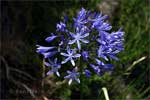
point(49, 54)
point(76, 55)
point(77, 80)
point(93, 66)
point(42, 49)
point(72, 62)
point(65, 18)
point(69, 72)
point(113, 56)
point(78, 43)
point(85, 55)
point(68, 50)
point(64, 54)
point(50, 38)
point(85, 35)
point(84, 41)
point(72, 34)
point(87, 73)
point(99, 62)
point(47, 64)
point(55, 61)
point(70, 81)
point(57, 73)
point(66, 60)
point(109, 67)
point(68, 76)
point(72, 41)
point(49, 73)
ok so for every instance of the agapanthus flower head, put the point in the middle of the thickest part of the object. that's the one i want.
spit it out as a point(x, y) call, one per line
point(89, 41)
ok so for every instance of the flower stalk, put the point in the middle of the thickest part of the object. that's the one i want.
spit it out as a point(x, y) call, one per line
point(105, 93)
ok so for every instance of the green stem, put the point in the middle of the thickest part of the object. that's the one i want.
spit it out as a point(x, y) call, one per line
point(81, 78)
point(43, 74)
point(105, 93)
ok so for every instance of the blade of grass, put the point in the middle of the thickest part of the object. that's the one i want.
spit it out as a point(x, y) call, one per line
point(105, 93)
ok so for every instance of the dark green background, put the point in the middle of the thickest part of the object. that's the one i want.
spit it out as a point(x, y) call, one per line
point(26, 23)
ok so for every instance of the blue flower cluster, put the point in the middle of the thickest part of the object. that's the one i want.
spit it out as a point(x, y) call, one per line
point(88, 41)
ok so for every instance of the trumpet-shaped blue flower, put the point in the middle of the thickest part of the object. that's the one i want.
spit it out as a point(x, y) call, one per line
point(70, 55)
point(87, 73)
point(54, 67)
point(51, 37)
point(82, 18)
point(46, 51)
point(102, 53)
point(78, 37)
point(85, 55)
point(61, 27)
point(105, 52)
point(110, 44)
point(49, 54)
point(72, 75)
point(96, 69)
point(108, 67)
point(117, 40)
point(101, 26)
point(42, 49)
point(100, 63)
point(98, 17)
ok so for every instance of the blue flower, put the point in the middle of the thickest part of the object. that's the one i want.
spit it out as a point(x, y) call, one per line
point(79, 36)
point(101, 26)
point(96, 69)
point(54, 67)
point(65, 17)
point(104, 38)
point(51, 38)
point(105, 52)
point(98, 17)
point(42, 49)
point(85, 55)
point(101, 65)
point(72, 75)
point(108, 67)
point(70, 55)
point(82, 18)
point(49, 54)
point(110, 44)
point(89, 33)
point(87, 73)
point(116, 40)
point(46, 51)
point(102, 53)
point(61, 27)
point(113, 40)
